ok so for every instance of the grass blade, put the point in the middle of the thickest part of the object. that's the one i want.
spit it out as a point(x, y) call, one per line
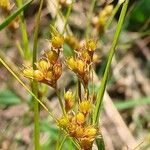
point(106, 73)
point(14, 15)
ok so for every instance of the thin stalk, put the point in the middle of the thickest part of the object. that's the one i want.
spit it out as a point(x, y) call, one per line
point(25, 41)
point(19, 48)
point(61, 102)
point(34, 83)
point(88, 27)
point(115, 10)
point(79, 90)
point(62, 142)
point(67, 17)
point(106, 73)
point(27, 89)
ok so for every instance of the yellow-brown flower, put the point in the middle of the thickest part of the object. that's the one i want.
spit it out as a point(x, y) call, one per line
point(80, 118)
point(28, 72)
point(57, 41)
point(52, 56)
point(69, 100)
point(85, 107)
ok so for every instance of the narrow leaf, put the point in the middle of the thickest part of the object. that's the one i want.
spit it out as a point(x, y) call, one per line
point(14, 15)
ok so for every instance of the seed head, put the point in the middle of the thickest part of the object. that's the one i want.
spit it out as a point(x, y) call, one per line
point(57, 41)
point(71, 63)
point(90, 132)
point(43, 65)
point(52, 56)
point(81, 66)
point(57, 70)
point(28, 72)
point(69, 100)
point(38, 75)
point(91, 45)
point(80, 118)
point(85, 107)
point(63, 122)
point(79, 132)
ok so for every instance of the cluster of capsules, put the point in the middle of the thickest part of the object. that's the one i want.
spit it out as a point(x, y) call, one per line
point(48, 67)
point(78, 124)
point(76, 120)
point(82, 60)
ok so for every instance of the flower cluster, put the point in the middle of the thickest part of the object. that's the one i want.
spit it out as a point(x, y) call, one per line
point(48, 68)
point(77, 124)
point(77, 108)
point(101, 20)
point(80, 63)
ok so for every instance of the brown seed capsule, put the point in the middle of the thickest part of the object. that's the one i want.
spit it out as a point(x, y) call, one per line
point(81, 65)
point(90, 132)
point(80, 118)
point(71, 62)
point(43, 65)
point(85, 107)
point(69, 100)
point(63, 122)
point(28, 72)
point(86, 143)
point(57, 70)
point(79, 132)
point(57, 41)
point(52, 56)
point(91, 45)
point(38, 75)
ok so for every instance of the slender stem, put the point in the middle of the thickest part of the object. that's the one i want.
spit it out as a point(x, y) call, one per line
point(62, 142)
point(115, 10)
point(27, 89)
point(67, 17)
point(60, 102)
point(106, 73)
point(79, 90)
point(34, 83)
point(88, 27)
point(24, 33)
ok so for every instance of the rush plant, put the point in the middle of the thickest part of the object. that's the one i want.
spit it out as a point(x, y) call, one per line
point(80, 108)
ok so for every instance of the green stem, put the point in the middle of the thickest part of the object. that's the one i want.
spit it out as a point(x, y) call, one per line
point(34, 83)
point(62, 142)
point(79, 90)
point(60, 102)
point(89, 18)
point(24, 33)
point(67, 17)
point(106, 73)
point(115, 10)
